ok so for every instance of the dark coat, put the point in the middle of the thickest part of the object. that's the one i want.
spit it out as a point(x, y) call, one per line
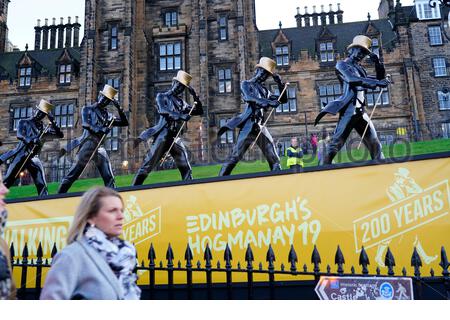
point(257, 97)
point(27, 131)
point(94, 120)
point(170, 108)
point(352, 78)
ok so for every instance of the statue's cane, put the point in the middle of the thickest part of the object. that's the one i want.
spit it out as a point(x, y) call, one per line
point(178, 135)
point(97, 147)
point(377, 103)
point(32, 150)
point(270, 114)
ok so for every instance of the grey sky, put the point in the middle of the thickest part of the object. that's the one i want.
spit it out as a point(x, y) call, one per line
point(23, 14)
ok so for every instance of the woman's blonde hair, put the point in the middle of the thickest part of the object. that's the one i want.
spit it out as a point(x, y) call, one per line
point(88, 208)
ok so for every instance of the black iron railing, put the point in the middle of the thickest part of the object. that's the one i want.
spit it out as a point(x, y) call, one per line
point(302, 279)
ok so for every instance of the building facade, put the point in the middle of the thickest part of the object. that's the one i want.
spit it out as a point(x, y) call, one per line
point(138, 46)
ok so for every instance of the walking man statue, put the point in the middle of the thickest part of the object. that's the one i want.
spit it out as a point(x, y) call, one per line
point(32, 134)
point(350, 105)
point(174, 113)
point(97, 123)
point(259, 99)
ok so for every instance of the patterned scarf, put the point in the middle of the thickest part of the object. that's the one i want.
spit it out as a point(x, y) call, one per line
point(5, 274)
point(3, 218)
point(121, 257)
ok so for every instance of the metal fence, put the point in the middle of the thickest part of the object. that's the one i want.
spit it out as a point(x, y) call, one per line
point(302, 279)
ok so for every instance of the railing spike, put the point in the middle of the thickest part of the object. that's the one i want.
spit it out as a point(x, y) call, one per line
point(444, 262)
point(416, 262)
point(169, 253)
point(270, 256)
point(316, 260)
point(404, 272)
point(12, 251)
point(207, 256)
point(339, 260)
point(389, 261)
point(151, 254)
point(364, 261)
point(188, 256)
point(292, 258)
point(227, 256)
point(54, 251)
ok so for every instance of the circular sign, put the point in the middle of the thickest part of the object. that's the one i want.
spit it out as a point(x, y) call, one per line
point(386, 291)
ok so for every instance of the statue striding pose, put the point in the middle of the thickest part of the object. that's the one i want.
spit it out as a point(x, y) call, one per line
point(258, 99)
point(350, 105)
point(97, 123)
point(32, 135)
point(174, 113)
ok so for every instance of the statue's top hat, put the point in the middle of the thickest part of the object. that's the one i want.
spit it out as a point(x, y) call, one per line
point(267, 64)
point(183, 77)
point(45, 106)
point(109, 92)
point(361, 42)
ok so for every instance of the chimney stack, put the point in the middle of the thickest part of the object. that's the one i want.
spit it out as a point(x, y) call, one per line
point(37, 35)
point(307, 18)
point(53, 29)
point(45, 35)
point(299, 18)
point(340, 14)
point(331, 15)
point(315, 17)
point(61, 33)
point(76, 33)
point(323, 16)
point(68, 33)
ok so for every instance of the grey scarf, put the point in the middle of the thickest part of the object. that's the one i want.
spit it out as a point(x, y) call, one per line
point(121, 257)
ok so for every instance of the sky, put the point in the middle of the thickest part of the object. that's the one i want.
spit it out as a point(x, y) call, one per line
point(23, 14)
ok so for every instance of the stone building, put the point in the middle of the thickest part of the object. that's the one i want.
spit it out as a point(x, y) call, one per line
point(138, 46)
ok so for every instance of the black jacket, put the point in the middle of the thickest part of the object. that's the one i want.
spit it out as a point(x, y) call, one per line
point(352, 78)
point(257, 97)
point(94, 120)
point(28, 130)
point(170, 108)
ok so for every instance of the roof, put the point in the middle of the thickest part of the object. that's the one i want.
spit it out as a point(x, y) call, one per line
point(304, 38)
point(47, 59)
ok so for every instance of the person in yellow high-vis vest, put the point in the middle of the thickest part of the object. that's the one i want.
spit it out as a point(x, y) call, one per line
point(295, 156)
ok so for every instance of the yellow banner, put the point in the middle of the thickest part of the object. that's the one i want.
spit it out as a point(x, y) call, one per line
point(400, 206)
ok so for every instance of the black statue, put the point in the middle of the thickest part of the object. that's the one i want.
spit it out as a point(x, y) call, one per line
point(32, 135)
point(350, 105)
point(173, 113)
point(97, 123)
point(258, 99)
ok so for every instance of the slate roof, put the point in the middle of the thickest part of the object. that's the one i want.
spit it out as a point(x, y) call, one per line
point(304, 38)
point(47, 60)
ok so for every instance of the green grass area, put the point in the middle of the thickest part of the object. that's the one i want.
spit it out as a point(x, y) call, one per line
point(398, 150)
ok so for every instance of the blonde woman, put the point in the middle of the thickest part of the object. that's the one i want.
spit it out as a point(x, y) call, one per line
point(96, 264)
point(7, 287)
